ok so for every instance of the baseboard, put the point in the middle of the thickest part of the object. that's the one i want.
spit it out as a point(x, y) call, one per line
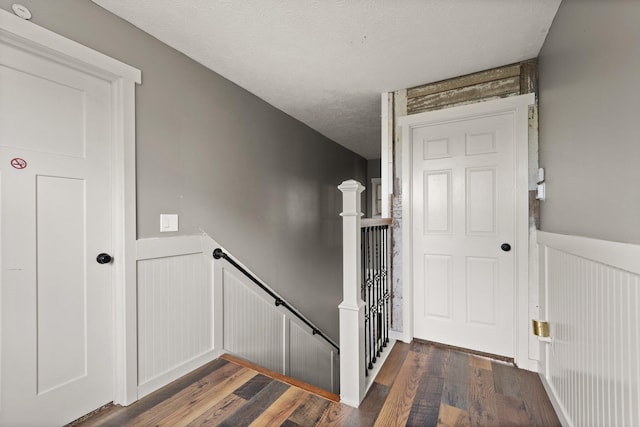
point(400, 336)
point(379, 364)
point(559, 408)
point(165, 378)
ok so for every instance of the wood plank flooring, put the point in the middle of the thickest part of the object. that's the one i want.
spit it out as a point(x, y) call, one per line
point(419, 385)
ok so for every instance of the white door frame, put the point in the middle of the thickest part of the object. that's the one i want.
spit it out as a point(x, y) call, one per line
point(519, 107)
point(40, 41)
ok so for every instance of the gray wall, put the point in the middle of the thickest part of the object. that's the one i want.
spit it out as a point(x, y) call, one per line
point(589, 69)
point(252, 177)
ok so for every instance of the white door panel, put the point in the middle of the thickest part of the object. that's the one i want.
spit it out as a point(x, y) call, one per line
point(463, 202)
point(55, 217)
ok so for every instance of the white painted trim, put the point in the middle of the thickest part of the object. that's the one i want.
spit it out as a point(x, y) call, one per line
point(518, 105)
point(351, 309)
point(386, 155)
point(380, 361)
point(177, 372)
point(40, 41)
point(400, 336)
point(561, 411)
point(160, 247)
point(31, 36)
point(625, 256)
point(124, 229)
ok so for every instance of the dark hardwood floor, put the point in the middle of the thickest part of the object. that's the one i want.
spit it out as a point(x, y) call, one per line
point(419, 385)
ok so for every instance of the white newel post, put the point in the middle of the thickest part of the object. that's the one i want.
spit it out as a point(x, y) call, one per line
point(352, 379)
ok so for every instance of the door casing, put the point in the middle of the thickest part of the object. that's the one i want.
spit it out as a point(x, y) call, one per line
point(122, 78)
point(519, 106)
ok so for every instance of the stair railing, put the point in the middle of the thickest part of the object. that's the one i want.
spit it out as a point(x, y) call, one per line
point(364, 311)
point(277, 300)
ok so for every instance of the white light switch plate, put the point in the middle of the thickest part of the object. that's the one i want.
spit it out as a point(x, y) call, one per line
point(168, 222)
point(541, 195)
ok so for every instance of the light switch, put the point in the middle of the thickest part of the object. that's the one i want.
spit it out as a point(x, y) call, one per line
point(168, 222)
point(541, 194)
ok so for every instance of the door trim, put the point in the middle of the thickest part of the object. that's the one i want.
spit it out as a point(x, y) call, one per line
point(122, 77)
point(519, 106)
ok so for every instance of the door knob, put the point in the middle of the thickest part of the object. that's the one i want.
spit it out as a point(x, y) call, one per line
point(104, 258)
point(505, 247)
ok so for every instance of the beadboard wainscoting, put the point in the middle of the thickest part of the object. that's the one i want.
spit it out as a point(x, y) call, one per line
point(192, 308)
point(175, 310)
point(591, 366)
point(269, 335)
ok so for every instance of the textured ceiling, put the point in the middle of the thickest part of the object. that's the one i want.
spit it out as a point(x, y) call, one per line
point(325, 62)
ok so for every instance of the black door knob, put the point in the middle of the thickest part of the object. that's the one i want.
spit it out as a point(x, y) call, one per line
point(505, 247)
point(104, 258)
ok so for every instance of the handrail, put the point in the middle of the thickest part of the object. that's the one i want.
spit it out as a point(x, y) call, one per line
point(372, 222)
point(219, 253)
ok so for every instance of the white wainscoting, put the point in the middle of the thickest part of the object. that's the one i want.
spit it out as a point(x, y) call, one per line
point(175, 310)
point(269, 335)
point(192, 308)
point(591, 367)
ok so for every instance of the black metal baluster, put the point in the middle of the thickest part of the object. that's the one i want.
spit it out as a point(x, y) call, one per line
point(374, 300)
point(374, 314)
point(372, 357)
point(379, 285)
point(363, 288)
point(385, 251)
point(375, 289)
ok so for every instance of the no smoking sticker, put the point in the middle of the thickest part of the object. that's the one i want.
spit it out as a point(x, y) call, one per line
point(18, 163)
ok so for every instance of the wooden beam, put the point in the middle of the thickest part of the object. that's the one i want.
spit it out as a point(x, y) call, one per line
point(463, 81)
point(495, 88)
point(529, 77)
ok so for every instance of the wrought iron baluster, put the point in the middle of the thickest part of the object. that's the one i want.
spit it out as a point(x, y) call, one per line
point(374, 288)
point(385, 250)
point(378, 326)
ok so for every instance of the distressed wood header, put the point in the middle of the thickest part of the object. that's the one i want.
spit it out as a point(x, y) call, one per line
point(501, 82)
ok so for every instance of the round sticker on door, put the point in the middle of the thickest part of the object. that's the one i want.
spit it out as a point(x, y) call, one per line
point(18, 163)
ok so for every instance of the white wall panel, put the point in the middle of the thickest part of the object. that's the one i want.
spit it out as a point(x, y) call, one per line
point(310, 360)
point(192, 308)
point(253, 325)
point(593, 362)
point(257, 330)
point(174, 313)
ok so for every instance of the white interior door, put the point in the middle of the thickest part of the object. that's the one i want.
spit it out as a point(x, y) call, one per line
point(56, 195)
point(463, 211)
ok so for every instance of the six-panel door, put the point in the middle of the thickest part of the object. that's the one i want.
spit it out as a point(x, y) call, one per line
point(463, 210)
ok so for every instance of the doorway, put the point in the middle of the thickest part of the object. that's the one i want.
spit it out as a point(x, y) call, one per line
point(66, 166)
point(465, 225)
